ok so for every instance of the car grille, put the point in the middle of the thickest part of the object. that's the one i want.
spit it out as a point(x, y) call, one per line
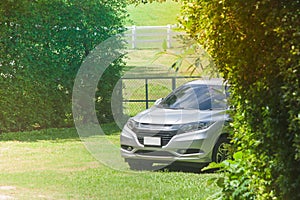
point(165, 136)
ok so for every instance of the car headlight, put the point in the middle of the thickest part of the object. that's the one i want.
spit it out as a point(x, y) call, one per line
point(185, 128)
point(131, 124)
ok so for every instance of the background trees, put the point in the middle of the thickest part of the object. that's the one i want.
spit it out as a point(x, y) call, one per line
point(42, 45)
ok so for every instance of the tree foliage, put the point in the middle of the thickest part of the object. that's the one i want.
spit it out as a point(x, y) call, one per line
point(42, 45)
point(255, 44)
point(136, 2)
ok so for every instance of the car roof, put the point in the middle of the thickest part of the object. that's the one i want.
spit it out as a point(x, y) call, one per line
point(207, 81)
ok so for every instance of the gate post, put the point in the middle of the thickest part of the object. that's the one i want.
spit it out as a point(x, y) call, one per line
point(173, 83)
point(146, 93)
point(133, 37)
point(169, 36)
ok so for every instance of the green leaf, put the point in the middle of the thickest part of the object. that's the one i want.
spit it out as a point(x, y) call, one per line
point(221, 182)
point(238, 155)
point(212, 165)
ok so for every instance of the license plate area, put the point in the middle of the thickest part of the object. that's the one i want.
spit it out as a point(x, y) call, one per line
point(152, 141)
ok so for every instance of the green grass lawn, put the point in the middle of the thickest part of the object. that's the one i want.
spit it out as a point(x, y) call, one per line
point(154, 14)
point(54, 164)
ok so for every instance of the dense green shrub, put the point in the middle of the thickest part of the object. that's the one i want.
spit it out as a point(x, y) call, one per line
point(42, 45)
point(255, 44)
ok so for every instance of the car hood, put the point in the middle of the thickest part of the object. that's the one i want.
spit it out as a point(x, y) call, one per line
point(157, 115)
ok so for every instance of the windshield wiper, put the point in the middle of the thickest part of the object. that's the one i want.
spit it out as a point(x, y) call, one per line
point(166, 106)
point(177, 108)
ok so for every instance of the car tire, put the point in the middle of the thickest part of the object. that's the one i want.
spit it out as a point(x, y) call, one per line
point(220, 151)
point(139, 165)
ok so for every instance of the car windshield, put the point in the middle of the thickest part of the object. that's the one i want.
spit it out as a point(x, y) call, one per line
point(201, 97)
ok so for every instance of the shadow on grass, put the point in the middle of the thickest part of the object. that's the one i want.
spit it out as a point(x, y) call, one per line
point(54, 134)
point(180, 167)
point(188, 168)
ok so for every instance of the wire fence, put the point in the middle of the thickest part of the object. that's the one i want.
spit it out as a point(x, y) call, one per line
point(146, 83)
point(140, 93)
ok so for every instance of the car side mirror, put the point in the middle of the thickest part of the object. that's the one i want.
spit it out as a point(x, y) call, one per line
point(158, 101)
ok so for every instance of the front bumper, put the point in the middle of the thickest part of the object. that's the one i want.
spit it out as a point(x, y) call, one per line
point(193, 147)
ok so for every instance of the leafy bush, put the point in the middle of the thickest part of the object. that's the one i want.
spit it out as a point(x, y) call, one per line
point(256, 47)
point(42, 45)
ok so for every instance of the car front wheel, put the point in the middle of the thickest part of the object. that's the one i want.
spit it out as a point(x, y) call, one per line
point(220, 151)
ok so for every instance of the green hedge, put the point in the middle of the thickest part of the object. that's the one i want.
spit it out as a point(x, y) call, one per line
point(255, 43)
point(42, 45)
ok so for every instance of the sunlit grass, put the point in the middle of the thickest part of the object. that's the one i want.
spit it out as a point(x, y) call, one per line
point(154, 14)
point(54, 164)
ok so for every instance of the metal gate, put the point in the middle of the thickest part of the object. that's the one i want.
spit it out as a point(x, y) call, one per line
point(140, 93)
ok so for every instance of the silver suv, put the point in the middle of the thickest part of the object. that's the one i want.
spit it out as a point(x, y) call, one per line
point(187, 127)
